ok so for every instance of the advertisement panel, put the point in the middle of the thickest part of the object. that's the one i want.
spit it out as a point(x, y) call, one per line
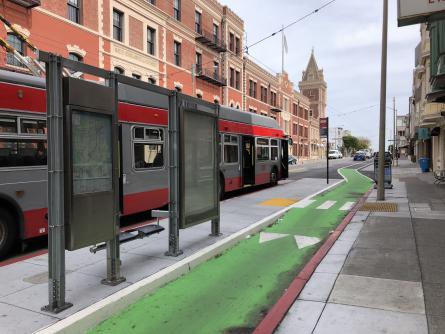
point(199, 165)
point(417, 11)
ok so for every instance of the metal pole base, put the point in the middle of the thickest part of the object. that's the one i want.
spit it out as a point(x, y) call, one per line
point(113, 282)
point(56, 309)
point(387, 186)
point(174, 253)
point(216, 228)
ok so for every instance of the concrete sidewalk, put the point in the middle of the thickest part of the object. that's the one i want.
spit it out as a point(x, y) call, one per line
point(24, 288)
point(386, 272)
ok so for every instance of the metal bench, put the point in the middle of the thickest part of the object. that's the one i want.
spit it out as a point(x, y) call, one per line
point(439, 175)
point(137, 232)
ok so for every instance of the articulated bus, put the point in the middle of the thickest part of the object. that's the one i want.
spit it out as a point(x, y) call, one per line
point(253, 152)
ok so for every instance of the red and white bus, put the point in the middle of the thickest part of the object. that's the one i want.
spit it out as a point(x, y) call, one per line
point(253, 152)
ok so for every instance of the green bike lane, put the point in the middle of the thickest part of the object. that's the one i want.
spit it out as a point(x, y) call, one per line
point(232, 292)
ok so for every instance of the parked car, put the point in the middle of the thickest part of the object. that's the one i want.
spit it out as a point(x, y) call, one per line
point(293, 160)
point(335, 154)
point(368, 154)
point(359, 156)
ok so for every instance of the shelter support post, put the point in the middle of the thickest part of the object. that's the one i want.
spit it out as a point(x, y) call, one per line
point(173, 179)
point(56, 219)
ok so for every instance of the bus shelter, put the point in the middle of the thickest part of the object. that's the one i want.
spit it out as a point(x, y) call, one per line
point(86, 160)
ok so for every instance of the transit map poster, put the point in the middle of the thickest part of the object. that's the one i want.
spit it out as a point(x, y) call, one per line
point(92, 152)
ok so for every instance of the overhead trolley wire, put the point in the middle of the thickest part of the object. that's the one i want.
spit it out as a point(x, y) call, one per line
point(315, 11)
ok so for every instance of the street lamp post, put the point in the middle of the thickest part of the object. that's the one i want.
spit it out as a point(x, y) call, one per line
point(381, 163)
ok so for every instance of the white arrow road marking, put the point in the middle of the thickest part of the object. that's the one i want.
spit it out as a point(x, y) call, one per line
point(265, 237)
point(326, 205)
point(302, 204)
point(303, 241)
point(347, 206)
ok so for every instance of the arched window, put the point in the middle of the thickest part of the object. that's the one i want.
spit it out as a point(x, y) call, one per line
point(119, 70)
point(199, 96)
point(75, 56)
point(178, 89)
point(152, 80)
point(17, 44)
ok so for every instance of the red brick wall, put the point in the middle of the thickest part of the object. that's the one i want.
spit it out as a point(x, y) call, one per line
point(236, 96)
point(51, 34)
point(106, 17)
point(88, 11)
point(187, 51)
point(136, 33)
point(260, 106)
point(15, 14)
point(89, 14)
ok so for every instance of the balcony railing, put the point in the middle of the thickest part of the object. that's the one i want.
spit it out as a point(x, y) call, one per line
point(432, 114)
point(276, 108)
point(211, 40)
point(210, 76)
point(27, 3)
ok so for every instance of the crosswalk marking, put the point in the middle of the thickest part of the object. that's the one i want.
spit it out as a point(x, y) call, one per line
point(326, 205)
point(347, 206)
point(304, 203)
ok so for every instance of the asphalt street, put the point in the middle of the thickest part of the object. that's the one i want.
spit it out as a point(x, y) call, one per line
point(318, 169)
point(310, 169)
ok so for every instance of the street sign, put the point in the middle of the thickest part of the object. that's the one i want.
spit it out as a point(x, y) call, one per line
point(324, 133)
point(418, 11)
point(324, 127)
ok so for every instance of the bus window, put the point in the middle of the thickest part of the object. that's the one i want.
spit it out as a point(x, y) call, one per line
point(8, 125)
point(230, 149)
point(148, 155)
point(148, 147)
point(274, 149)
point(33, 126)
point(22, 152)
point(262, 149)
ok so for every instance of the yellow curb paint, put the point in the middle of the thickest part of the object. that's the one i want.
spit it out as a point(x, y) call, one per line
point(279, 202)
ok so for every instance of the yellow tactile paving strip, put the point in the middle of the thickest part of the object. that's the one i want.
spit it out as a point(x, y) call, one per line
point(379, 207)
point(282, 202)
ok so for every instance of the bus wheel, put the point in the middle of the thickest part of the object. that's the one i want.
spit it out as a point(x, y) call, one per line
point(8, 232)
point(274, 177)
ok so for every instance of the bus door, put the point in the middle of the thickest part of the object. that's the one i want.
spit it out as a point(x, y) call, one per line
point(121, 172)
point(248, 154)
point(284, 158)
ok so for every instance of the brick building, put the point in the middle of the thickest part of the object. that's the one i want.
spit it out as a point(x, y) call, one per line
point(195, 46)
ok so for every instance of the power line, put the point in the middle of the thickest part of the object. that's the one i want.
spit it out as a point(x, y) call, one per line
point(246, 48)
point(353, 111)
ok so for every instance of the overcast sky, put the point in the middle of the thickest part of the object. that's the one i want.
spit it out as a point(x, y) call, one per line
point(346, 37)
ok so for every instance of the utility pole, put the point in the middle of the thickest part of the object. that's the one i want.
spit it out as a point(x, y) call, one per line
point(394, 153)
point(381, 161)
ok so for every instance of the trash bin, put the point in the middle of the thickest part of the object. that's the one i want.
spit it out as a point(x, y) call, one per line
point(388, 171)
point(424, 164)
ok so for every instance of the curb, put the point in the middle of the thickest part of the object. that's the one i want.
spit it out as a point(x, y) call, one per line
point(277, 313)
point(94, 314)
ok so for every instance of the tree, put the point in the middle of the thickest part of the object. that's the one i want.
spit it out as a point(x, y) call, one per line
point(363, 143)
point(350, 143)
